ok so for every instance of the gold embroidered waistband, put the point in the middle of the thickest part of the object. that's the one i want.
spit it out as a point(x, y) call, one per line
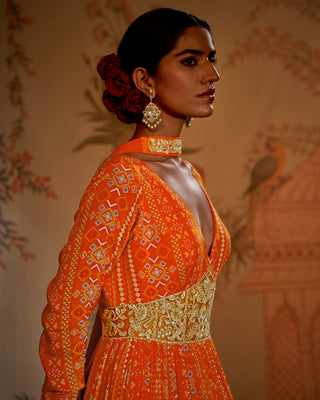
point(179, 318)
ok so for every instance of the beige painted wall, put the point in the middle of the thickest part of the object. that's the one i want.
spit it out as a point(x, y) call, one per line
point(253, 94)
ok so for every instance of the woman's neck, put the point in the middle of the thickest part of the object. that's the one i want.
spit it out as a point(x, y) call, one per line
point(168, 127)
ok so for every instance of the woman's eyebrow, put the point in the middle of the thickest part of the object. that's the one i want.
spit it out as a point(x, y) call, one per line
point(193, 51)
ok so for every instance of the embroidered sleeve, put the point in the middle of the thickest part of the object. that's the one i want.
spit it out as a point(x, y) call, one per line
point(102, 225)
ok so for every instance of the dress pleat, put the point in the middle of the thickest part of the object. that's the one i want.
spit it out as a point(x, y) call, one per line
point(157, 371)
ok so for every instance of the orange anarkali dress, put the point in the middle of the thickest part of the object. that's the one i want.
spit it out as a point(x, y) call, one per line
point(136, 250)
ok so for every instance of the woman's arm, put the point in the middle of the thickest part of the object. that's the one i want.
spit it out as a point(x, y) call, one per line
point(101, 229)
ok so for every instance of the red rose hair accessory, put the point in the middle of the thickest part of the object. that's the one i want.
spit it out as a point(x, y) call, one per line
point(108, 65)
point(112, 103)
point(135, 101)
point(118, 84)
point(126, 116)
point(121, 96)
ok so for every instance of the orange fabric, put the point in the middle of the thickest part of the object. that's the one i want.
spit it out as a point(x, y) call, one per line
point(133, 241)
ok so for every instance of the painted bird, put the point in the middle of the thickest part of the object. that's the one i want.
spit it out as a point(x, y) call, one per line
point(268, 168)
point(263, 174)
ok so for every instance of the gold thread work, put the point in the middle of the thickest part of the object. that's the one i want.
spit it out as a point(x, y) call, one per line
point(160, 145)
point(179, 318)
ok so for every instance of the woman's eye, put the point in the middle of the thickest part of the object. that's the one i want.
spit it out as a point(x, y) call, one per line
point(212, 60)
point(189, 61)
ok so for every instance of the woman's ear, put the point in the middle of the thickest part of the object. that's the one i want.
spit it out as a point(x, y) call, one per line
point(143, 81)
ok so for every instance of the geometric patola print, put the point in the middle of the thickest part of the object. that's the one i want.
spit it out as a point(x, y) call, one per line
point(134, 243)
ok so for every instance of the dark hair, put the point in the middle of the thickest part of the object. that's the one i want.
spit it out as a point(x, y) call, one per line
point(153, 35)
point(149, 38)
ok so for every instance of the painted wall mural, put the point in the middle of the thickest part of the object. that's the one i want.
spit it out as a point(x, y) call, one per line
point(286, 270)
point(277, 237)
point(16, 175)
point(109, 21)
point(262, 171)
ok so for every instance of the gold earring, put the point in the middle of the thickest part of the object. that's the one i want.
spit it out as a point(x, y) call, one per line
point(188, 121)
point(151, 114)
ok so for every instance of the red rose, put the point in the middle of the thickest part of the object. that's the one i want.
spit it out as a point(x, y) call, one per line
point(135, 101)
point(127, 117)
point(108, 65)
point(118, 84)
point(112, 103)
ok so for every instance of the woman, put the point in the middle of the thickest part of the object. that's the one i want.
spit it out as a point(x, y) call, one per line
point(147, 245)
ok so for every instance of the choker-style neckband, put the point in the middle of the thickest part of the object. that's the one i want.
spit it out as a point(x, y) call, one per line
point(157, 145)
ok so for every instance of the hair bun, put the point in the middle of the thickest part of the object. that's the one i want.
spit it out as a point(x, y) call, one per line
point(120, 96)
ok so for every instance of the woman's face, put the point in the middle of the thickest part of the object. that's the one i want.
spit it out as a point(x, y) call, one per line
point(185, 77)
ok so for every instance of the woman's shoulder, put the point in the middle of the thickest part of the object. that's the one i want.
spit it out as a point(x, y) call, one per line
point(118, 174)
point(115, 187)
point(118, 166)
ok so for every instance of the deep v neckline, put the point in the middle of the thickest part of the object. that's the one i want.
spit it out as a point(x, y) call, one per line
point(184, 206)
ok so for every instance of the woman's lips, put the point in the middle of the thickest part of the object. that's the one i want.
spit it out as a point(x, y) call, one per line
point(209, 94)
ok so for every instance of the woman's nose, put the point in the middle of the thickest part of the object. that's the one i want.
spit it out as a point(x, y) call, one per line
point(210, 74)
point(216, 73)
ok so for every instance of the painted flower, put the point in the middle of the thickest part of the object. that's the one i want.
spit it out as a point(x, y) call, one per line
point(285, 37)
point(18, 185)
point(99, 33)
point(296, 71)
point(316, 55)
point(272, 31)
point(41, 181)
point(273, 54)
point(92, 9)
point(302, 46)
point(256, 30)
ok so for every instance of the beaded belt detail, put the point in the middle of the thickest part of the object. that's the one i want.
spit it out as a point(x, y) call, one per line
point(179, 318)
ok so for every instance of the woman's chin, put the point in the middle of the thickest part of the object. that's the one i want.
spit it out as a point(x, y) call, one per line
point(205, 113)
